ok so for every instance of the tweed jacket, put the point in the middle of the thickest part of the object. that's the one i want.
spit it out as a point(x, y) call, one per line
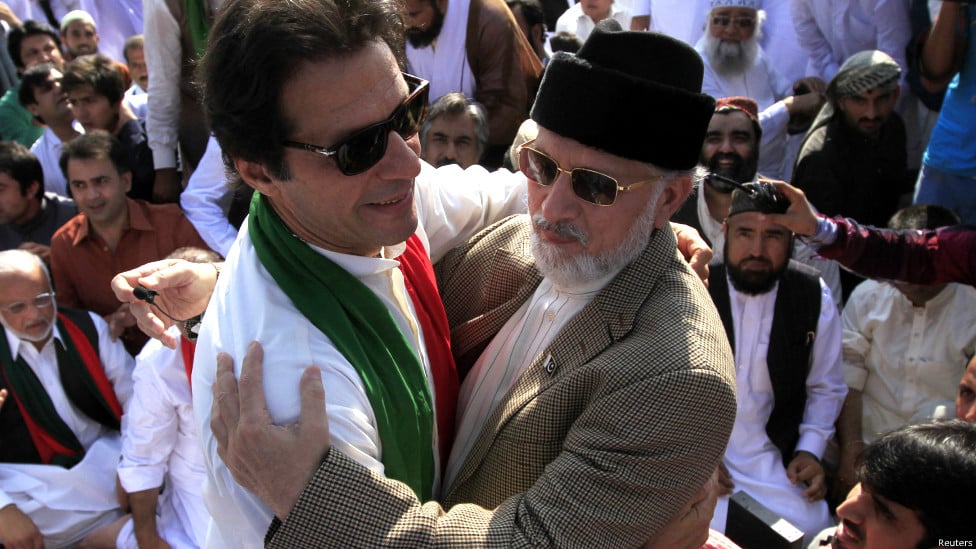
point(601, 440)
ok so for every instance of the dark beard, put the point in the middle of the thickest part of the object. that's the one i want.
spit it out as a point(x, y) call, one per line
point(421, 38)
point(752, 282)
point(743, 170)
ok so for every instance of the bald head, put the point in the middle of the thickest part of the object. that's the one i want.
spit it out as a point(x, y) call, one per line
point(27, 307)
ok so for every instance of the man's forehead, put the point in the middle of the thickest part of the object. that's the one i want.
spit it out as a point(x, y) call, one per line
point(734, 12)
point(730, 119)
point(756, 221)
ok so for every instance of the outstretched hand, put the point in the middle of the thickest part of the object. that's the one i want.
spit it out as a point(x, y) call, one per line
point(183, 289)
point(693, 248)
point(274, 462)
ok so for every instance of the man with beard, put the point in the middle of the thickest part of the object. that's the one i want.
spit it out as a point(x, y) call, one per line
point(456, 132)
point(66, 384)
point(853, 159)
point(731, 150)
point(785, 333)
point(552, 332)
point(735, 65)
point(475, 47)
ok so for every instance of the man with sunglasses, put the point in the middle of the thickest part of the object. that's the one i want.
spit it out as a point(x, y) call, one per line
point(598, 393)
point(66, 383)
point(332, 267)
point(736, 65)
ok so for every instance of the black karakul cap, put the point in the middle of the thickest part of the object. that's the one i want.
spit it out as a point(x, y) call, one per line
point(632, 94)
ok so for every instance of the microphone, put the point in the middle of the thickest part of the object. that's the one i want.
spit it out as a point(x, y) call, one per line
point(145, 294)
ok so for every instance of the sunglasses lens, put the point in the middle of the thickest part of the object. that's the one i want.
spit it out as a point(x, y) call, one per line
point(594, 187)
point(363, 150)
point(409, 119)
point(538, 167)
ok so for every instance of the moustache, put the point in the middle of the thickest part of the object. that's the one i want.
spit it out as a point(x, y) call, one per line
point(561, 228)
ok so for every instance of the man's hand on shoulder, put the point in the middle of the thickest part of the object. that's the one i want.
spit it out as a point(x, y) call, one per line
point(693, 248)
point(40, 250)
point(275, 462)
point(18, 531)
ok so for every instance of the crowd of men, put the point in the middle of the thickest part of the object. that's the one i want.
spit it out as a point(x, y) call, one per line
point(496, 274)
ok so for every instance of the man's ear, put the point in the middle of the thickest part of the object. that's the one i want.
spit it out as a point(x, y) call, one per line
point(127, 181)
point(256, 176)
point(676, 191)
point(33, 190)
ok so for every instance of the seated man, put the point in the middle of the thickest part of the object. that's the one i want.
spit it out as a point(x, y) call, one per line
point(29, 44)
point(66, 384)
point(905, 347)
point(41, 94)
point(736, 65)
point(160, 443)
point(29, 216)
point(456, 132)
point(731, 150)
point(915, 490)
point(95, 90)
point(111, 232)
point(782, 323)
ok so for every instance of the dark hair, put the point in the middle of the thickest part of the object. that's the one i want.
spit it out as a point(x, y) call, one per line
point(95, 145)
point(531, 11)
point(134, 42)
point(32, 78)
point(923, 216)
point(455, 104)
point(256, 46)
point(565, 41)
point(21, 165)
point(29, 28)
point(931, 469)
point(99, 72)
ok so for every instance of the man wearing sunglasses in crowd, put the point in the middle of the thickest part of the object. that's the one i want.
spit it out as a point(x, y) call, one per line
point(609, 419)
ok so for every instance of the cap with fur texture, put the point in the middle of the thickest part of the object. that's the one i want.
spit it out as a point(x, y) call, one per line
point(633, 94)
point(762, 198)
point(751, 4)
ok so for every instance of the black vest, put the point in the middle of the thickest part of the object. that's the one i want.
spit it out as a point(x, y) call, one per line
point(16, 445)
point(793, 332)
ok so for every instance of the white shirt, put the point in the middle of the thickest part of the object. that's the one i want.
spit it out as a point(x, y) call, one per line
point(906, 360)
point(161, 444)
point(526, 334)
point(445, 62)
point(779, 40)
point(575, 21)
point(206, 199)
point(47, 149)
point(767, 87)
point(833, 30)
point(163, 52)
point(89, 487)
point(681, 19)
point(247, 304)
point(753, 461)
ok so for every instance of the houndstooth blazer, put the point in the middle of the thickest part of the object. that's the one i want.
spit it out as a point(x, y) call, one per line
point(602, 439)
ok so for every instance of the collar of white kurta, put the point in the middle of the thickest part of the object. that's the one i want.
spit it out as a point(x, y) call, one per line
point(446, 66)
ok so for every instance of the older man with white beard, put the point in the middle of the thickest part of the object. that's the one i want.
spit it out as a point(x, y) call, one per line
point(735, 65)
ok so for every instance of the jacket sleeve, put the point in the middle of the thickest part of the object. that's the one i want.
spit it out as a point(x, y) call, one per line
point(626, 466)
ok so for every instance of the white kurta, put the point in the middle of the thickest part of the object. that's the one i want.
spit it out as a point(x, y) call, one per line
point(445, 62)
point(753, 461)
point(526, 334)
point(206, 199)
point(67, 504)
point(575, 21)
point(906, 360)
point(47, 149)
point(161, 446)
point(248, 305)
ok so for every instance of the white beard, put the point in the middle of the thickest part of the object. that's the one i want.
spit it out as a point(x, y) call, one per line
point(582, 269)
point(729, 59)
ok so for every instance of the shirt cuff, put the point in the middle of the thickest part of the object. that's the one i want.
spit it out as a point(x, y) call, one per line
point(813, 443)
point(825, 235)
point(855, 377)
point(137, 479)
point(164, 158)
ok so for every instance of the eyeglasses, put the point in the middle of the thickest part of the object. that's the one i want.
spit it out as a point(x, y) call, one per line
point(740, 22)
point(589, 185)
point(364, 148)
point(41, 301)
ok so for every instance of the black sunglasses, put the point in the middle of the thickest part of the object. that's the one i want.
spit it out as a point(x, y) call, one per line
point(364, 148)
point(589, 185)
